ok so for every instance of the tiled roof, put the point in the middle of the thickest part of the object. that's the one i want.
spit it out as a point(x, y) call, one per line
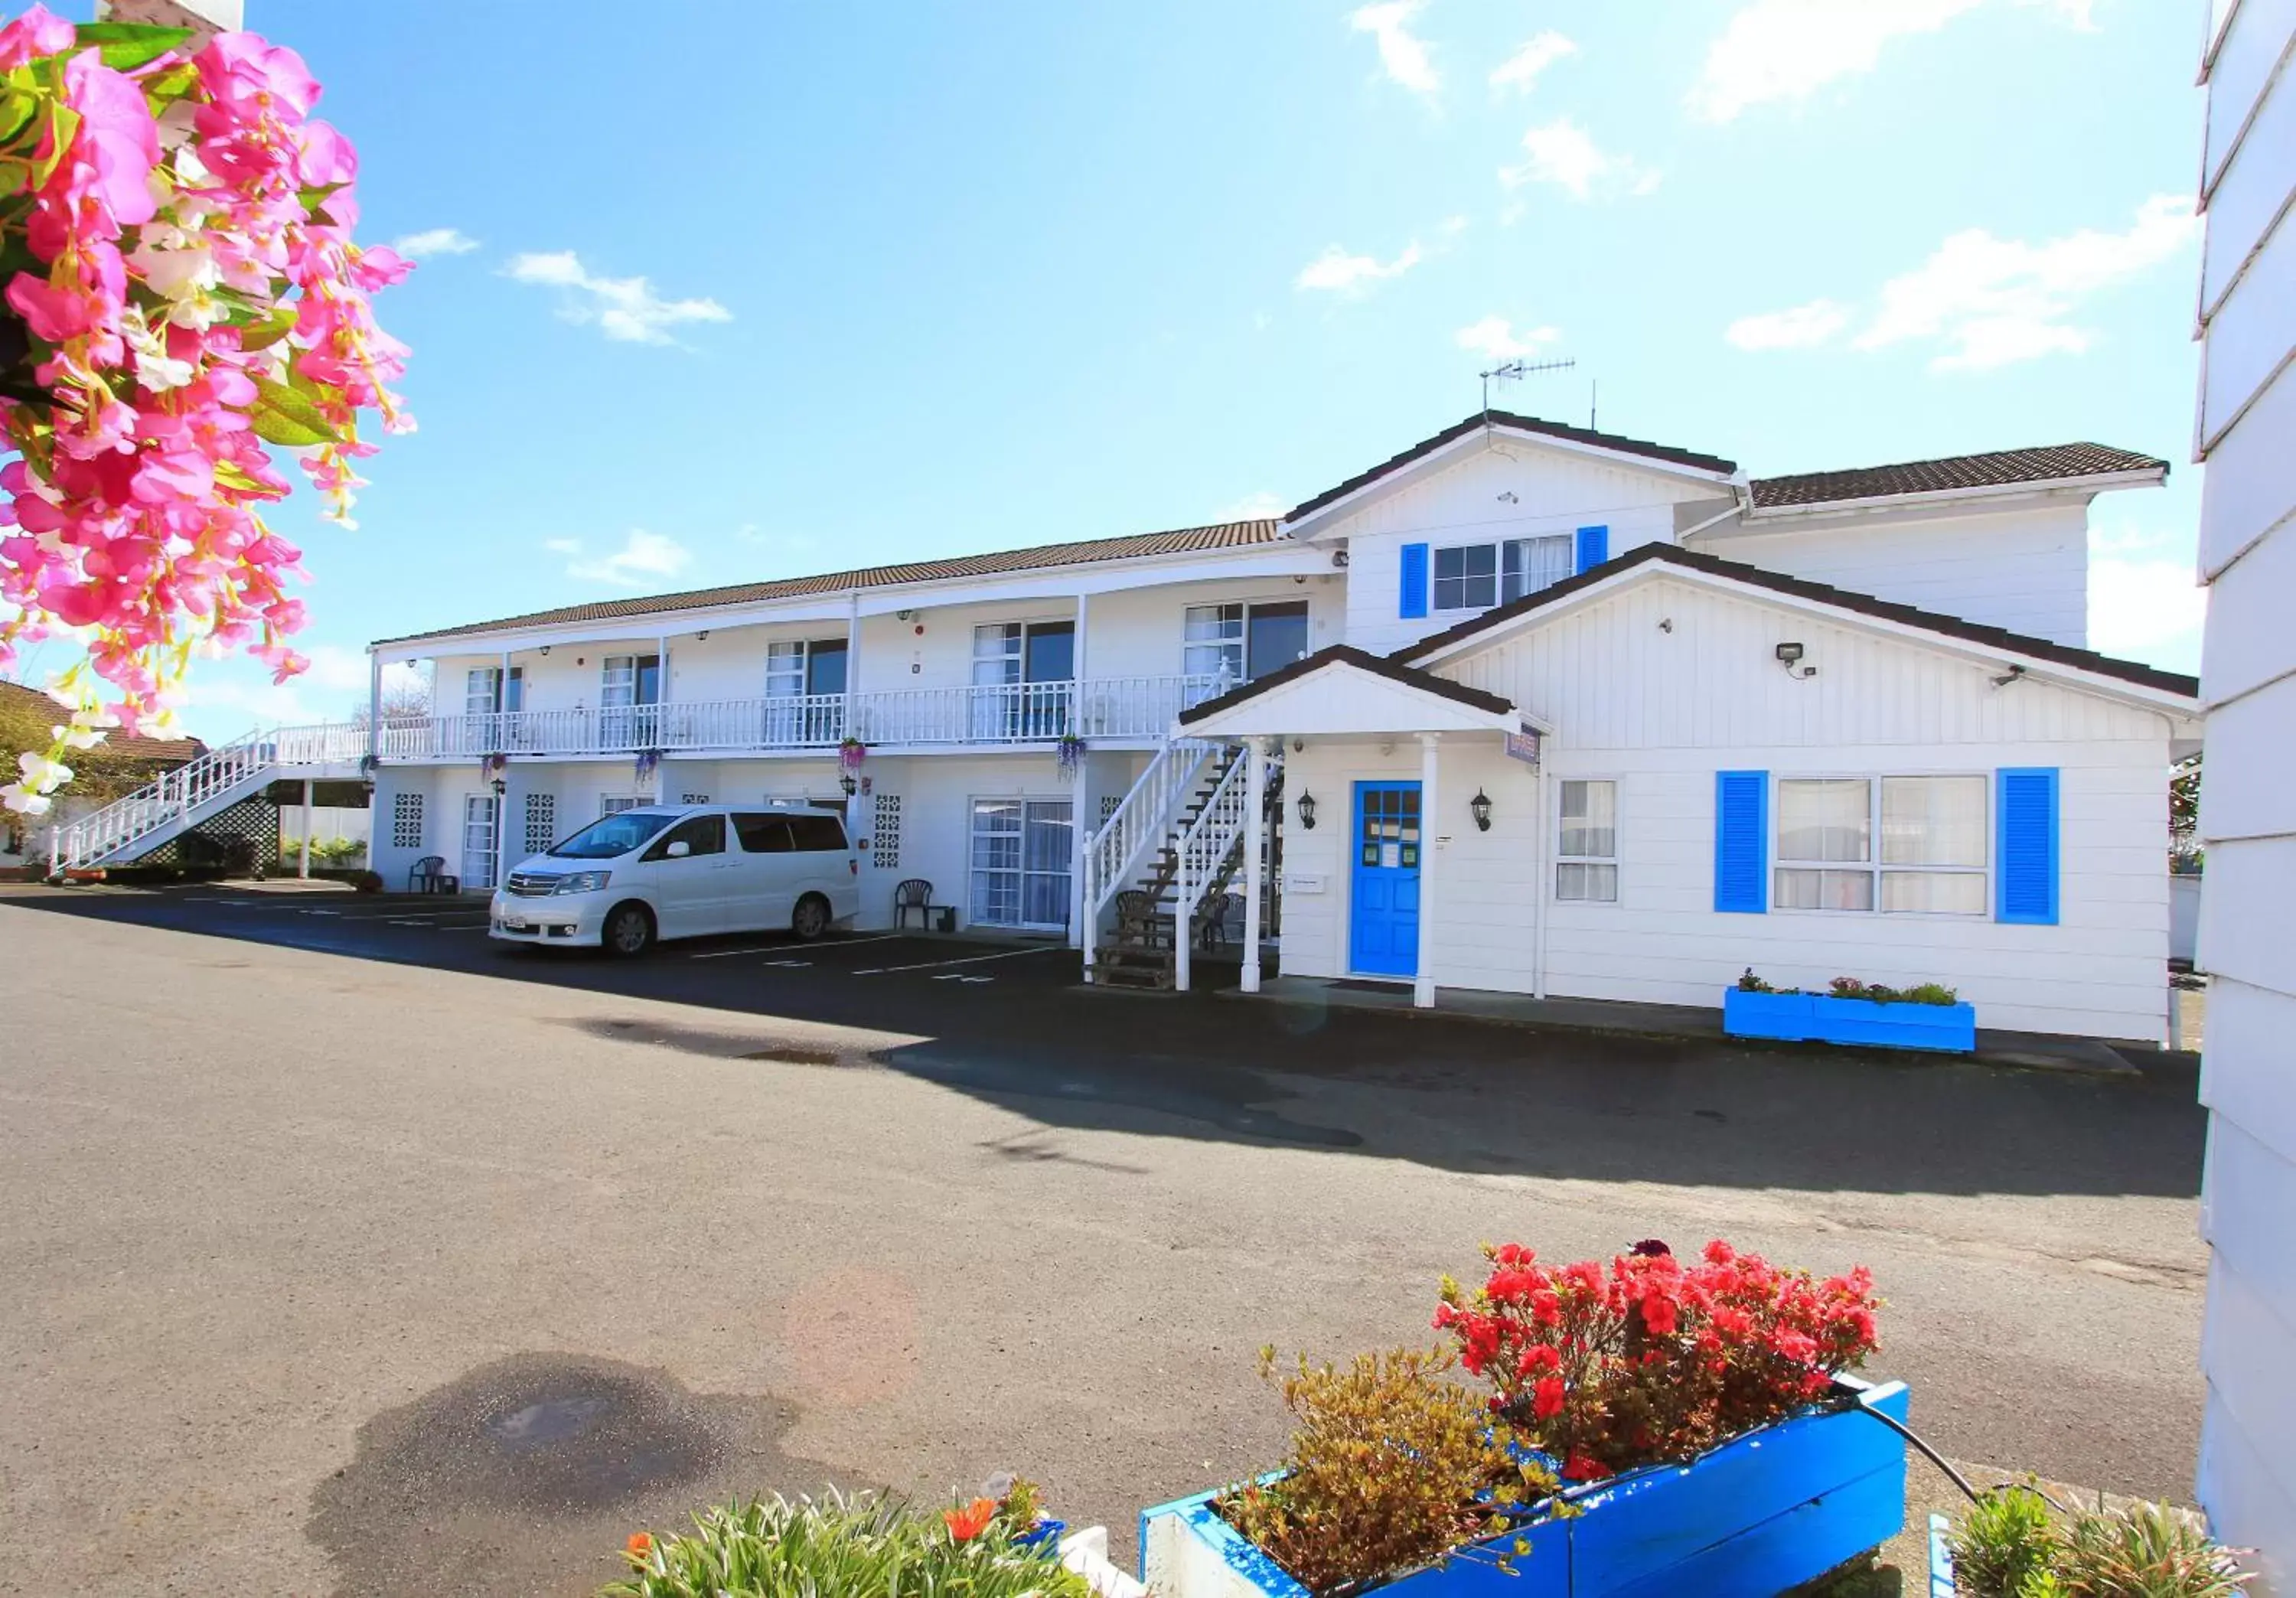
point(160, 751)
point(1189, 540)
point(1866, 604)
point(2003, 468)
point(1529, 424)
point(1348, 654)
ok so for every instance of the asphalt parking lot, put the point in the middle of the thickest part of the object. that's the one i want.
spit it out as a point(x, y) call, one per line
point(353, 1252)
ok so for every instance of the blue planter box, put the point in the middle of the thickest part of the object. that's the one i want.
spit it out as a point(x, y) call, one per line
point(1821, 1018)
point(1754, 1517)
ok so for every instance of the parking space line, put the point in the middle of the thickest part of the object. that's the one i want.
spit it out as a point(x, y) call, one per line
point(776, 948)
point(881, 970)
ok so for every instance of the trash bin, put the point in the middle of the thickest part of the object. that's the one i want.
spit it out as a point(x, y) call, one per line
point(943, 918)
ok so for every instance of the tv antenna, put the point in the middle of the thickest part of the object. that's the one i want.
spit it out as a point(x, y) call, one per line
point(1514, 371)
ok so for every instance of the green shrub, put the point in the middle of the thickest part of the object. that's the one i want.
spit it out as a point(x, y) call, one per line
point(2147, 1551)
point(1384, 1471)
point(777, 1548)
point(2002, 1543)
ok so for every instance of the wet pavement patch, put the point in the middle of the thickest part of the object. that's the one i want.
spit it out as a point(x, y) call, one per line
point(789, 1055)
point(525, 1475)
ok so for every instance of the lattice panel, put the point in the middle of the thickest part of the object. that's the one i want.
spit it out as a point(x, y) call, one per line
point(885, 833)
point(406, 821)
point(541, 823)
point(1108, 803)
point(210, 844)
point(694, 798)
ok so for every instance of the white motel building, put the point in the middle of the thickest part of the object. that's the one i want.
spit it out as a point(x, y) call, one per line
point(1526, 708)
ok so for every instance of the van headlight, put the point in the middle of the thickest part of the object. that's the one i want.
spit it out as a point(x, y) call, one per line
point(581, 881)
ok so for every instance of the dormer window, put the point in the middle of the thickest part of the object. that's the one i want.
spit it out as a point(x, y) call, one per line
point(1475, 576)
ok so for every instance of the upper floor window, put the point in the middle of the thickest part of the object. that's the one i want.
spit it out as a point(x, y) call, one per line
point(1475, 576)
point(803, 666)
point(484, 693)
point(1930, 832)
point(1238, 642)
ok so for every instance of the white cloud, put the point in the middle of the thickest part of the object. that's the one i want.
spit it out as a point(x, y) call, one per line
point(1252, 507)
point(334, 667)
point(625, 308)
point(434, 241)
point(1991, 301)
point(1495, 338)
point(1336, 272)
point(2152, 609)
point(1564, 154)
point(1519, 70)
point(1403, 54)
point(643, 557)
point(1816, 323)
point(1788, 49)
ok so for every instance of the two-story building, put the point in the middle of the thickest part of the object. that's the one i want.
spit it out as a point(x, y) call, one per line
point(1527, 707)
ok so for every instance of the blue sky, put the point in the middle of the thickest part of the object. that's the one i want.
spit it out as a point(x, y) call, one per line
point(717, 292)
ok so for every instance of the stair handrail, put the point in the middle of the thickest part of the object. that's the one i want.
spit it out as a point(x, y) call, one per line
point(1205, 848)
point(1139, 822)
point(170, 794)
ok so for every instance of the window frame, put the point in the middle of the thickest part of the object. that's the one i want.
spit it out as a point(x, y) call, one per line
point(1615, 859)
point(1873, 866)
point(1499, 550)
point(1436, 579)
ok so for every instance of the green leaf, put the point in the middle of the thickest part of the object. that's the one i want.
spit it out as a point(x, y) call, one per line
point(269, 330)
point(18, 107)
point(15, 175)
point(173, 84)
point(126, 45)
point(63, 126)
point(283, 416)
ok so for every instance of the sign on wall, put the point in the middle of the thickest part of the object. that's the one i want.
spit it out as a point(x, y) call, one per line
point(1523, 746)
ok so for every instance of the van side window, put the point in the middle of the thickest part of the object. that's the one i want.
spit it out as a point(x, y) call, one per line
point(817, 832)
point(701, 835)
point(762, 834)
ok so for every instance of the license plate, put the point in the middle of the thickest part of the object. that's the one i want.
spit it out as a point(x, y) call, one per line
point(515, 923)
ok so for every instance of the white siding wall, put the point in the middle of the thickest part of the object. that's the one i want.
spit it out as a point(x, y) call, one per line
point(2026, 571)
point(1555, 492)
point(1661, 711)
point(2247, 1478)
point(1138, 632)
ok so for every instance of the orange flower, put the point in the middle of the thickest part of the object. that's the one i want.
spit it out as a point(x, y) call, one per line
point(969, 1523)
point(640, 1544)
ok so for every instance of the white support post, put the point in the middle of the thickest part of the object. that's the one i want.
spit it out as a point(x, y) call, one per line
point(1183, 945)
point(1543, 801)
point(1255, 832)
point(852, 661)
point(374, 706)
point(1422, 986)
point(303, 865)
point(1079, 933)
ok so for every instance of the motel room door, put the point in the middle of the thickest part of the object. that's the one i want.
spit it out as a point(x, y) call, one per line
point(1383, 908)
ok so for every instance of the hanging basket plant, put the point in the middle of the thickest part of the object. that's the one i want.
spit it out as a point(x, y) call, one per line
point(181, 294)
point(492, 767)
point(649, 760)
point(1070, 752)
point(850, 754)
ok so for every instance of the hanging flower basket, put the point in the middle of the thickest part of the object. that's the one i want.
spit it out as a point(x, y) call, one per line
point(492, 767)
point(851, 753)
point(1070, 752)
point(648, 761)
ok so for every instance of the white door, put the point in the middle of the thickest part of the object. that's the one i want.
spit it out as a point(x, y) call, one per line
point(693, 891)
point(1020, 863)
point(478, 840)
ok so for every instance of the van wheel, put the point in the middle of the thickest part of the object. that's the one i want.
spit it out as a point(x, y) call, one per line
point(811, 919)
point(628, 931)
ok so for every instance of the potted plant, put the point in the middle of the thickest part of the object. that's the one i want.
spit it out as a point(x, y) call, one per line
point(1929, 1016)
point(2016, 1542)
point(1651, 1426)
point(1070, 752)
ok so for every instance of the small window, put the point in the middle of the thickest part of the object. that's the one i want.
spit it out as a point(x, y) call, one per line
point(1213, 642)
point(1932, 845)
point(762, 834)
point(816, 833)
point(1586, 851)
point(701, 835)
point(1467, 578)
point(1529, 565)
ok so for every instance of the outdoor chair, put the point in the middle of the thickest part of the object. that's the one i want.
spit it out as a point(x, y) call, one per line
point(430, 875)
point(1219, 919)
point(915, 894)
point(1139, 913)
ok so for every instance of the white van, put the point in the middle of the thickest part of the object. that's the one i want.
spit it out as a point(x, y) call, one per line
point(683, 871)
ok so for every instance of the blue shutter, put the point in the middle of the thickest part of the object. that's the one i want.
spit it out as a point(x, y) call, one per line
point(1742, 842)
point(2027, 868)
point(1415, 581)
point(1593, 547)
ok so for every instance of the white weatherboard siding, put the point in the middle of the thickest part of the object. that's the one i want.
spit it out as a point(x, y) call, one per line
point(2025, 569)
point(1555, 492)
point(1662, 710)
point(2247, 1478)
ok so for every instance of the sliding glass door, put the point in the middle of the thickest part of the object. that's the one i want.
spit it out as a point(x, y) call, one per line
point(1022, 856)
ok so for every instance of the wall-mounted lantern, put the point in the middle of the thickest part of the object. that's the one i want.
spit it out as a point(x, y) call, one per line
point(1481, 807)
point(1308, 811)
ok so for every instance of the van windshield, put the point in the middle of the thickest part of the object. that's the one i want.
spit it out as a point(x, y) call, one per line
point(611, 836)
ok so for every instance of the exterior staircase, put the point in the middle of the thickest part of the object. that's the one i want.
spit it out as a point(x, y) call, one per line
point(1163, 863)
point(177, 801)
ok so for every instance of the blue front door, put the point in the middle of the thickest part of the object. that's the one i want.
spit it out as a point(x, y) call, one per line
point(1383, 926)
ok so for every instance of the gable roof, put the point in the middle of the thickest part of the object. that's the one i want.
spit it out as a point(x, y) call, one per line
point(2002, 468)
point(1348, 654)
point(159, 751)
point(1189, 540)
point(1825, 594)
point(1519, 424)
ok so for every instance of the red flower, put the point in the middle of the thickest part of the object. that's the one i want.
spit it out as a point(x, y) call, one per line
point(1658, 1315)
point(1546, 1397)
point(1579, 1467)
point(969, 1523)
point(1537, 1358)
point(640, 1544)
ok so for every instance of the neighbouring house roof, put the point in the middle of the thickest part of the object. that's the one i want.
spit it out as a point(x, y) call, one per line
point(1189, 540)
point(159, 751)
point(1618, 442)
point(1348, 654)
point(2002, 468)
point(1825, 594)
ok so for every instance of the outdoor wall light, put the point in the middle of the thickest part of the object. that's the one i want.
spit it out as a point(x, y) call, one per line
point(1790, 657)
point(1481, 807)
point(849, 784)
point(546, 649)
point(1308, 811)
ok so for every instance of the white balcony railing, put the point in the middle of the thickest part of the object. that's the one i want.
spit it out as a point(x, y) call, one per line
point(1132, 709)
